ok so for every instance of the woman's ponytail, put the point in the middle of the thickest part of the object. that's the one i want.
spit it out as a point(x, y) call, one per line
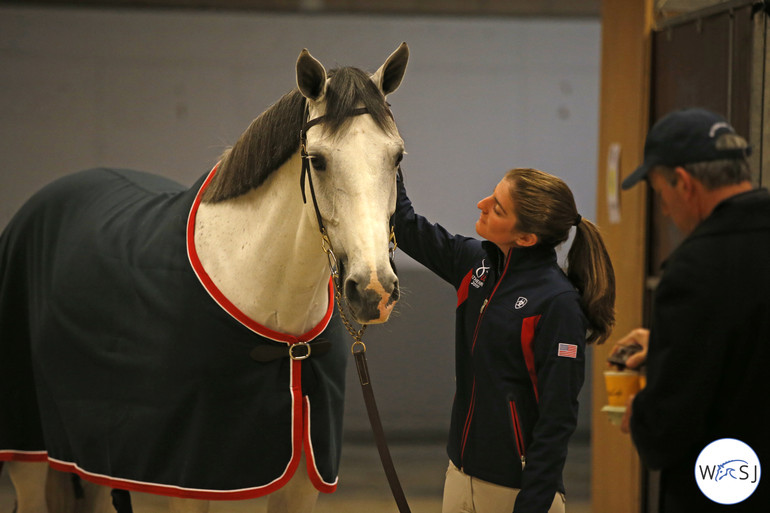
point(590, 270)
point(545, 206)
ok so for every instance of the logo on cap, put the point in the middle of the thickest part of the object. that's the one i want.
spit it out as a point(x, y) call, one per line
point(717, 126)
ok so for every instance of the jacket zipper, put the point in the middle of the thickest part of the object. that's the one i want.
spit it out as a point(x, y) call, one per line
point(517, 433)
point(469, 417)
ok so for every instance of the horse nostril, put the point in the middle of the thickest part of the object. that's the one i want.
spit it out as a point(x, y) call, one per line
point(396, 293)
point(351, 290)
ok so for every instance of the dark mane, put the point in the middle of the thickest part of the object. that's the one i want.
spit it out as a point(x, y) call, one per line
point(273, 137)
point(347, 88)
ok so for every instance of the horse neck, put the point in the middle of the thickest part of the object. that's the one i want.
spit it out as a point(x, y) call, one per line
point(263, 252)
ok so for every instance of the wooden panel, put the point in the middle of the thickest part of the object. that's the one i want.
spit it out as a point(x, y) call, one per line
point(690, 66)
point(761, 87)
point(581, 8)
point(472, 7)
point(623, 118)
point(758, 136)
point(705, 62)
point(741, 70)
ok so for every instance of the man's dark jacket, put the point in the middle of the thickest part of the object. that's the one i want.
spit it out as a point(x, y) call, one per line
point(708, 373)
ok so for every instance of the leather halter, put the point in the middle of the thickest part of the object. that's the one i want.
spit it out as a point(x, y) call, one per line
point(305, 172)
point(358, 348)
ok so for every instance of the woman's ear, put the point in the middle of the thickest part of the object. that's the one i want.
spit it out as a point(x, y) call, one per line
point(525, 239)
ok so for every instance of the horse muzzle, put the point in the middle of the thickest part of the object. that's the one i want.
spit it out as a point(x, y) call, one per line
point(371, 297)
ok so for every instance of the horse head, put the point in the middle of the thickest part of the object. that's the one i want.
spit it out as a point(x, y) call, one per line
point(354, 154)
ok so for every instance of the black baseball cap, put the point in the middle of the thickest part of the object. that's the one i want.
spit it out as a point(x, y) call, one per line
point(683, 137)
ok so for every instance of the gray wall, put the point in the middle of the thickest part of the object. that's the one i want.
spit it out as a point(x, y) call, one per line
point(167, 91)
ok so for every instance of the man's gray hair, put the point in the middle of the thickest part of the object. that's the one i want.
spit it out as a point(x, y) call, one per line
point(718, 173)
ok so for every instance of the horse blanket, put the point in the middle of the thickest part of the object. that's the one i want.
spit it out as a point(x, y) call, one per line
point(120, 361)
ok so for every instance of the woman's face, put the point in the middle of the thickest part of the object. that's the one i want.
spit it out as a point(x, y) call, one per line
point(497, 221)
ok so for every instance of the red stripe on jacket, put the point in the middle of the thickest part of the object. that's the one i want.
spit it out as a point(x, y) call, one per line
point(528, 326)
point(462, 291)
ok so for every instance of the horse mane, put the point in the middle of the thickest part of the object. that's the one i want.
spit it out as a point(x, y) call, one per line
point(273, 137)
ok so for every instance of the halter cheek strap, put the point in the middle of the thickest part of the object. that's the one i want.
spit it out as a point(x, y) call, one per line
point(305, 173)
point(358, 349)
point(306, 162)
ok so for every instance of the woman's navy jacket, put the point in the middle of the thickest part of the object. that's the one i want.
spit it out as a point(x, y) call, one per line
point(519, 356)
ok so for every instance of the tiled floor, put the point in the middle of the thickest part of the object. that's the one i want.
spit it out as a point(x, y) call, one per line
point(363, 488)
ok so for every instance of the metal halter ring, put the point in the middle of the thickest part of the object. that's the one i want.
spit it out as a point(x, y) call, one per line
point(392, 240)
point(360, 344)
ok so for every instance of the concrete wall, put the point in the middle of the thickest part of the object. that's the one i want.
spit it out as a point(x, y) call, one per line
point(167, 91)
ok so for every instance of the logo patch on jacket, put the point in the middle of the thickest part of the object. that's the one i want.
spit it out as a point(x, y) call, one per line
point(480, 276)
point(520, 303)
point(567, 350)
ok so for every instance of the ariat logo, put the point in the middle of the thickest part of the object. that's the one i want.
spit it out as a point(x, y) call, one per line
point(480, 275)
point(520, 303)
point(727, 471)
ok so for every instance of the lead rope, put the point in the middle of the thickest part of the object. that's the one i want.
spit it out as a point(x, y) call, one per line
point(359, 355)
point(358, 348)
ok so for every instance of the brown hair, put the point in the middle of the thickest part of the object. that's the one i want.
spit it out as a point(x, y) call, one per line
point(545, 206)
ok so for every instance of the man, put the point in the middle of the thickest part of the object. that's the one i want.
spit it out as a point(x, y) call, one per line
point(708, 363)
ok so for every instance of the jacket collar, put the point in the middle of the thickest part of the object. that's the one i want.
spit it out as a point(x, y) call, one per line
point(735, 214)
point(722, 217)
point(521, 258)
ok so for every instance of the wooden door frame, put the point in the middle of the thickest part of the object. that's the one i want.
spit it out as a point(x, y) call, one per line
point(623, 123)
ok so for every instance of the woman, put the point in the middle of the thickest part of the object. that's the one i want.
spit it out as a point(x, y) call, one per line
point(520, 334)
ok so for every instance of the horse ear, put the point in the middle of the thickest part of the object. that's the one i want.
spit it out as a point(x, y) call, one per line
point(390, 74)
point(311, 77)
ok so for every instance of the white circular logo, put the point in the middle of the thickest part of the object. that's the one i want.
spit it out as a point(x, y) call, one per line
point(727, 471)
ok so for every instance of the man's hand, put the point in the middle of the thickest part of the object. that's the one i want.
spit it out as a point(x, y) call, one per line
point(639, 337)
point(625, 424)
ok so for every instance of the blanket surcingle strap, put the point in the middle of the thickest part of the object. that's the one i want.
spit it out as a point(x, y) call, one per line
point(299, 351)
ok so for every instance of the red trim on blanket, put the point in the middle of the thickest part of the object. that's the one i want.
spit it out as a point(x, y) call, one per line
point(153, 488)
point(301, 433)
point(23, 456)
point(300, 406)
point(312, 469)
point(226, 304)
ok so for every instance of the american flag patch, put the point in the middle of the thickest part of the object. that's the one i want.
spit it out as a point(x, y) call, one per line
point(567, 350)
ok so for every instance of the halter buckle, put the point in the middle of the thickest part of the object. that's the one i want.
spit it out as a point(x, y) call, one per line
point(303, 144)
point(301, 356)
point(326, 244)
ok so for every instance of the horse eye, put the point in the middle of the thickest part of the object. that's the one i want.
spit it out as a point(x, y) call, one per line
point(318, 162)
point(399, 158)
